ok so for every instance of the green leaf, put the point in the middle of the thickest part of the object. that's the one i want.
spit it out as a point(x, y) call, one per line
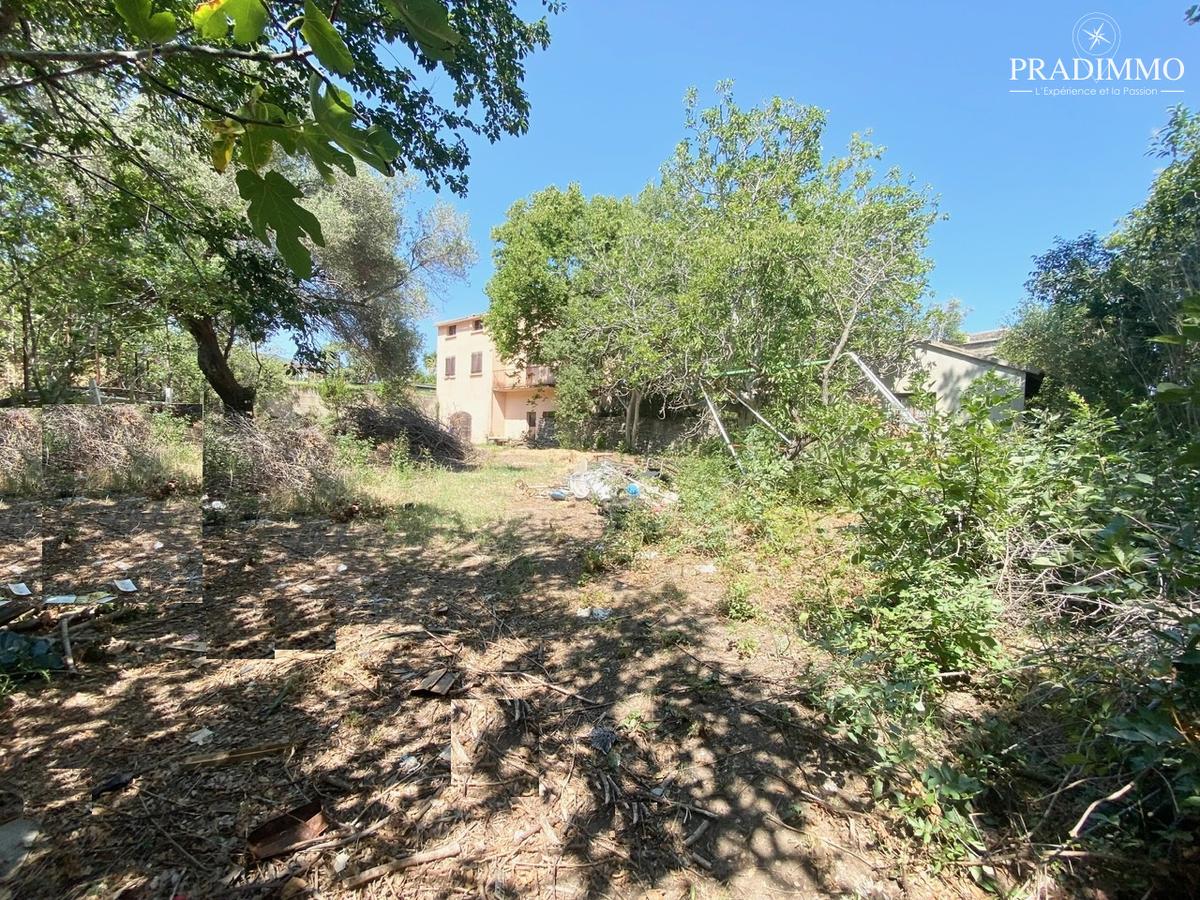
point(1168, 392)
point(157, 28)
point(334, 111)
point(428, 22)
point(313, 141)
point(325, 41)
point(273, 207)
point(256, 147)
point(259, 139)
point(211, 19)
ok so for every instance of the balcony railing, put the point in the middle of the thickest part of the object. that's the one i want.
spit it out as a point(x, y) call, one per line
point(522, 379)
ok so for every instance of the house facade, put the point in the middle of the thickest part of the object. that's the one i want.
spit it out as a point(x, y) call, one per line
point(952, 368)
point(480, 396)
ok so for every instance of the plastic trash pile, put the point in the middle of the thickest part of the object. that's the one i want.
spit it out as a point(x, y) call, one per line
point(607, 482)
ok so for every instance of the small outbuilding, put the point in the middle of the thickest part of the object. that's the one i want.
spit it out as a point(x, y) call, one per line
point(951, 369)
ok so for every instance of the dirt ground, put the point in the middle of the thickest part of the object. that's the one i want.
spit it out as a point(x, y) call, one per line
point(638, 753)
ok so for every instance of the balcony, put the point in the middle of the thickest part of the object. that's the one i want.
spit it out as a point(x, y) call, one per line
point(523, 379)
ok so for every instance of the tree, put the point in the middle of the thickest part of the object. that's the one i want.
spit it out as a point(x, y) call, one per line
point(944, 321)
point(112, 263)
point(1062, 328)
point(385, 260)
point(538, 255)
point(753, 265)
point(264, 78)
point(617, 342)
point(1095, 306)
point(797, 259)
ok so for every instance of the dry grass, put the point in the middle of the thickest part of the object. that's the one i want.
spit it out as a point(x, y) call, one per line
point(476, 495)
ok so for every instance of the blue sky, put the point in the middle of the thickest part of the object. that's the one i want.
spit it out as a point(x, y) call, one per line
point(930, 80)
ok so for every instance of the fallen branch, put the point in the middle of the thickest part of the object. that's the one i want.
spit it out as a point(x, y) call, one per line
point(397, 865)
point(68, 656)
point(1087, 813)
point(554, 687)
point(231, 757)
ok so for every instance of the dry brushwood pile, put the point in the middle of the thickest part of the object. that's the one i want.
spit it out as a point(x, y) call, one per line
point(421, 712)
point(264, 456)
point(426, 438)
point(90, 442)
point(20, 450)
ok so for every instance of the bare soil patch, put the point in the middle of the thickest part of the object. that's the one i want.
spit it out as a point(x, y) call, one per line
point(637, 752)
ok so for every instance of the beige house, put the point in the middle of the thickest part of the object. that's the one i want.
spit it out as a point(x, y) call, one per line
point(952, 368)
point(481, 397)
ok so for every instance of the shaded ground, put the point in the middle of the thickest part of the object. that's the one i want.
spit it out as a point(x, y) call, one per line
point(310, 636)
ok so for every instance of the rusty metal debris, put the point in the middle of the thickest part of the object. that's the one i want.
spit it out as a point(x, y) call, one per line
point(117, 782)
point(279, 835)
point(437, 683)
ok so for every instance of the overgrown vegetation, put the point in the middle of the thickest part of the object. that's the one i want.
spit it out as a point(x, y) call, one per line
point(754, 264)
point(1042, 567)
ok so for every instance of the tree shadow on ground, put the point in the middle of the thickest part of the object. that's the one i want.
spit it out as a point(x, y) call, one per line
point(714, 776)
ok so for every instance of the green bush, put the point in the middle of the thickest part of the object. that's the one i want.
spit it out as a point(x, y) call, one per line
point(739, 605)
point(708, 513)
point(630, 528)
point(352, 452)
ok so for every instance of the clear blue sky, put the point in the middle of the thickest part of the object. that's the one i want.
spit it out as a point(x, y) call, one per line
point(928, 79)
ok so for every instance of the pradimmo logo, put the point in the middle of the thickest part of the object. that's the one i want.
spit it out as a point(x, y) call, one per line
point(1096, 68)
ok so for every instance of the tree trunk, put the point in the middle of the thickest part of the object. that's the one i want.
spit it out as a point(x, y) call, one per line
point(236, 397)
point(631, 420)
point(26, 343)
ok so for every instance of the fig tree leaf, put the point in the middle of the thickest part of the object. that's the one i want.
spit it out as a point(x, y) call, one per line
point(325, 41)
point(256, 147)
point(259, 139)
point(1169, 392)
point(428, 21)
point(315, 142)
point(156, 28)
point(222, 152)
point(334, 111)
point(211, 19)
point(273, 208)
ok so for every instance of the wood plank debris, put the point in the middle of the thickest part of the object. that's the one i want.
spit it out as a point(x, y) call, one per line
point(233, 757)
point(14, 609)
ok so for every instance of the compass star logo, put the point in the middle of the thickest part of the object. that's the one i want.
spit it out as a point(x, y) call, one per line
point(1096, 34)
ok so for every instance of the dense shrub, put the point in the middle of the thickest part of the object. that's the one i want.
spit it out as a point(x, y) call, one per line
point(1047, 563)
